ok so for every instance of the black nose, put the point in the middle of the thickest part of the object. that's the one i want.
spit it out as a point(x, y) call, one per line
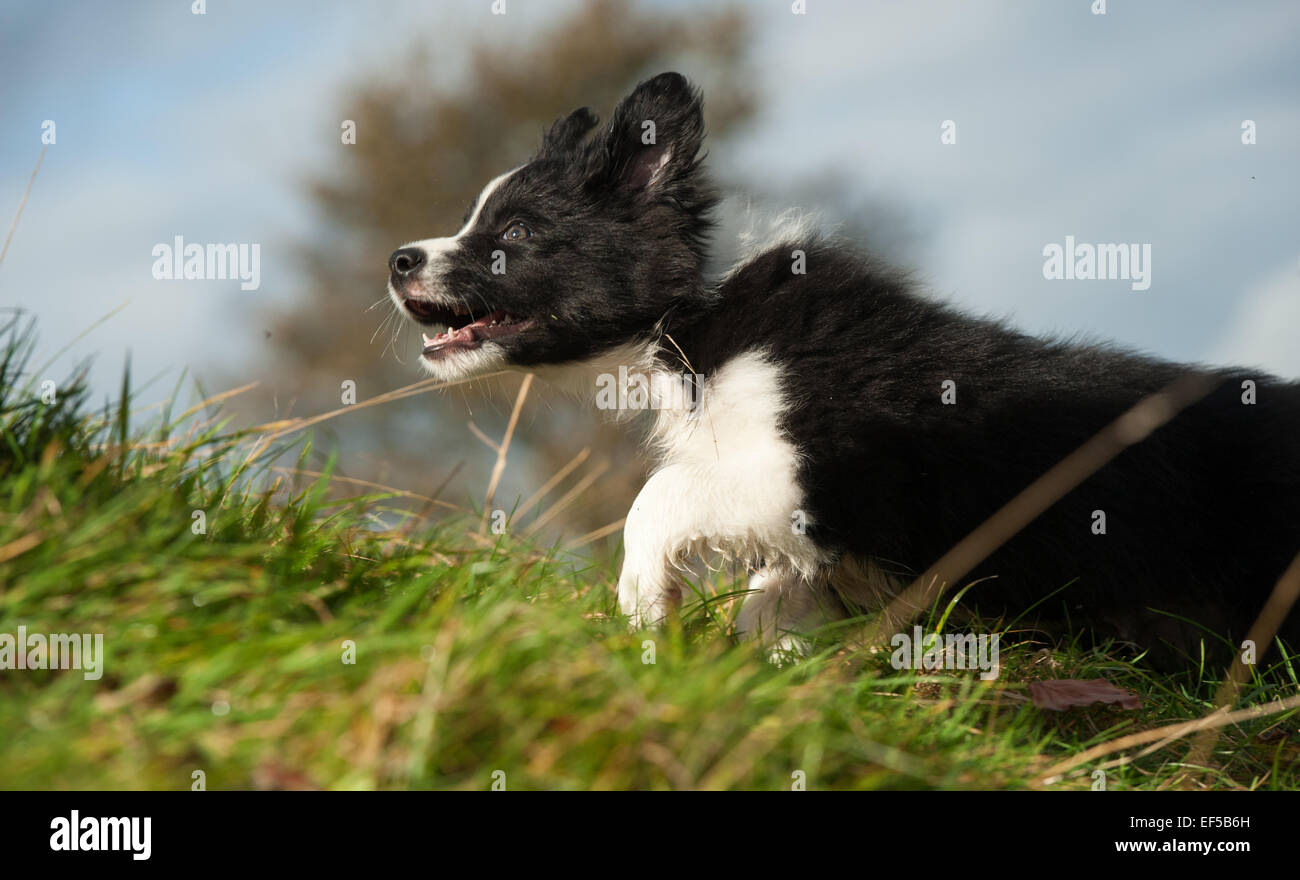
point(405, 261)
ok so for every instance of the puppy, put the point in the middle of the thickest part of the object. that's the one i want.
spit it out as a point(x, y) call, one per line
point(833, 429)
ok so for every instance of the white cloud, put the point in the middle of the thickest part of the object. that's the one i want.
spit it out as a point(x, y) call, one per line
point(1266, 332)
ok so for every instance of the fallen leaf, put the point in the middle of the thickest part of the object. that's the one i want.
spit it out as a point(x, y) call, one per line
point(1059, 694)
point(273, 776)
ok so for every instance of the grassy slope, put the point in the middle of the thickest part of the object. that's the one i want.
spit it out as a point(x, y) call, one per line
point(224, 654)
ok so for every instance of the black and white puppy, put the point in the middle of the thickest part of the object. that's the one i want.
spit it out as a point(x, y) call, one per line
point(821, 445)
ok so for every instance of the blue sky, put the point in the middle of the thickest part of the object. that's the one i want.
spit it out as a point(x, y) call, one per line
point(1117, 128)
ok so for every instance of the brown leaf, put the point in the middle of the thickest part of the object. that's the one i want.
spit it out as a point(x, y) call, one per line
point(273, 776)
point(1066, 693)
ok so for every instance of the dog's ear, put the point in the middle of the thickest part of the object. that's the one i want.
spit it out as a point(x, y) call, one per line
point(568, 131)
point(654, 136)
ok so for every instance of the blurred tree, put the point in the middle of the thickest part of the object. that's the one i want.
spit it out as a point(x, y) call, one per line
point(423, 150)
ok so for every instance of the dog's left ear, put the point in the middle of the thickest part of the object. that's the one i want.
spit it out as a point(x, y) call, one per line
point(568, 131)
point(654, 136)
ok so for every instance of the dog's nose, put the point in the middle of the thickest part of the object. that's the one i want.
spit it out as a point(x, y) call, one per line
point(406, 261)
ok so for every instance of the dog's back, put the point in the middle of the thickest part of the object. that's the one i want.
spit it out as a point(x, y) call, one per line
point(914, 424)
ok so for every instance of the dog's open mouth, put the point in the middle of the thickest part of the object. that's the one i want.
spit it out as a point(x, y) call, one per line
point(464, 332)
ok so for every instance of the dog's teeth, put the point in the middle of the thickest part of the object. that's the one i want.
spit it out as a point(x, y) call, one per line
point(427, 340)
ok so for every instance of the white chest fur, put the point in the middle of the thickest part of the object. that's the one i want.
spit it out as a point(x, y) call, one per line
point(727, 484)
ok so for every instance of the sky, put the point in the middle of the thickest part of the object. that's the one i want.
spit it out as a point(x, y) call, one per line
point(1116, 128)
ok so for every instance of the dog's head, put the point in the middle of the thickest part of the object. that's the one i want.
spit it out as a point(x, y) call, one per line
point(582, 249)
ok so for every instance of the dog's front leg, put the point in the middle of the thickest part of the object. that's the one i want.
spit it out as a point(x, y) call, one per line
point(689, 509)
point(655, 536)
point(782, 606)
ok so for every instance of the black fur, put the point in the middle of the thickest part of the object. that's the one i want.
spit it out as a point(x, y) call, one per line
point(1202, 517)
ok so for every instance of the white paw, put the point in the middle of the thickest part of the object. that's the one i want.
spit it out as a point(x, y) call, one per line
point(781, 606)
point(788, 649)
point(645, 599)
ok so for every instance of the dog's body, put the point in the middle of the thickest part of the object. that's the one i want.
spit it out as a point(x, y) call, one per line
point(850, 431)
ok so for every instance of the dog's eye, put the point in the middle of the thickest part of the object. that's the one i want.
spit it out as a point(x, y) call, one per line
point(517, 232)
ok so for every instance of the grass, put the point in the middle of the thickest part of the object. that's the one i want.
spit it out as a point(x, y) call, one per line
point(478, 660)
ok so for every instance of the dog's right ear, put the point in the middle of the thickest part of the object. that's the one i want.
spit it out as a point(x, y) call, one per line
point(568, 131)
